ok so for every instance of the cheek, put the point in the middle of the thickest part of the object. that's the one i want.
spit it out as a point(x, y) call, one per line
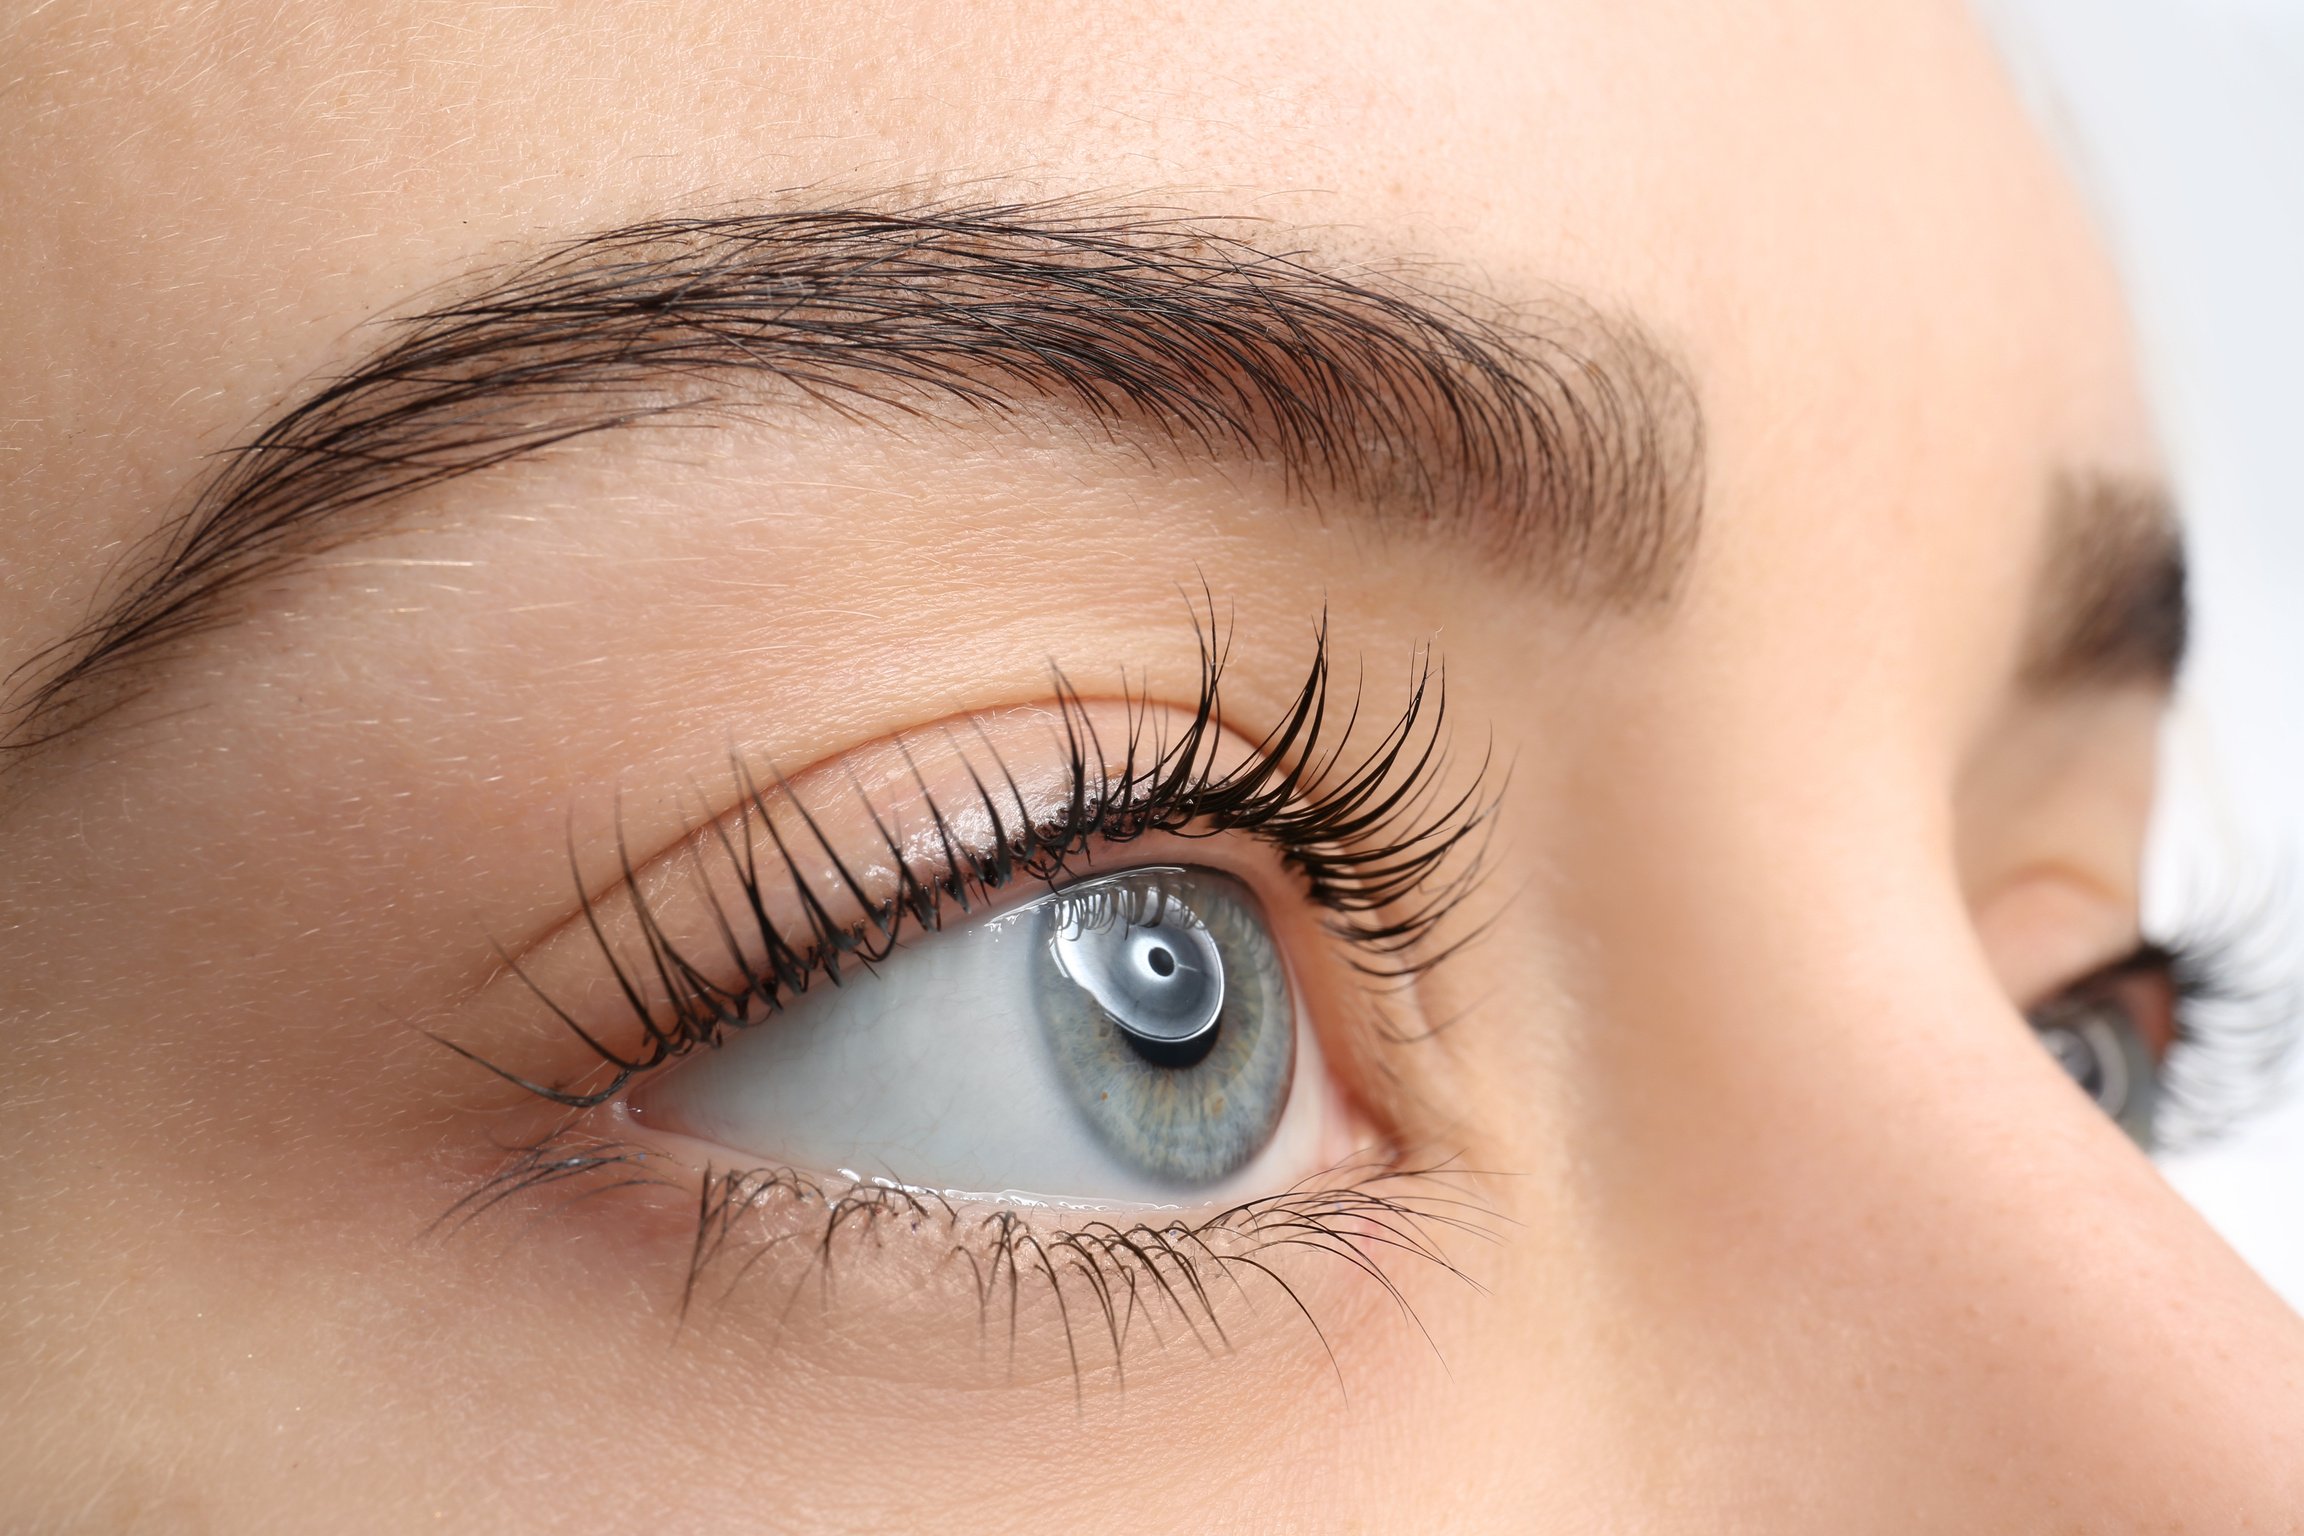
point(1821, 1161)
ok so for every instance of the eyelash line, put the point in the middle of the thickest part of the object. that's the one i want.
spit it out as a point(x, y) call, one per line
point(1359, 1213)
point(1368, 833)
point(2236, 1013)
point(1362, 1212)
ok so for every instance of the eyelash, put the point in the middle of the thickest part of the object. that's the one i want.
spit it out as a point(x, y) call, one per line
point(1362, 1213)
point(1370, 835)
point(2234, 1016)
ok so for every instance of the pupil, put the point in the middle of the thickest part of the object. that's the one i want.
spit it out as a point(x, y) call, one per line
point(1175, 1055)
point(1162, 962)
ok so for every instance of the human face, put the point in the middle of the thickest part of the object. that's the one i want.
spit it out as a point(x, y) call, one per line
point(1733, 408)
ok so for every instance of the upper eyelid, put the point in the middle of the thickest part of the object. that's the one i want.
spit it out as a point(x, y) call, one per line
point(1363, 815)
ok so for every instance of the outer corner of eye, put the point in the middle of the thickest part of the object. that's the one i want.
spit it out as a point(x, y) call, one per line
point(1127, 1040)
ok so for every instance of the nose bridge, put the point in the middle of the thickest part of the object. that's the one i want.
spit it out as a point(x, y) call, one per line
point(1850, 1198)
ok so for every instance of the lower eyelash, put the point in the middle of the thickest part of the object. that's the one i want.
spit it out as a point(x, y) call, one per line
point(1107, 1282)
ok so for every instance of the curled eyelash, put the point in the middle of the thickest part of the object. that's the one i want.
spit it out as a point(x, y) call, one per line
point(1380, 846)
point(2238, 1018)
point(1106, 1282)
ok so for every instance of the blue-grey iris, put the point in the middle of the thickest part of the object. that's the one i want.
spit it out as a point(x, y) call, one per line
point(1149, 962)
point(2099, 1046)
point(1166, 1010)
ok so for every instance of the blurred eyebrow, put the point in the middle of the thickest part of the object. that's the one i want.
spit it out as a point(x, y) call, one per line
point(1556, 440)
point(2111, 608)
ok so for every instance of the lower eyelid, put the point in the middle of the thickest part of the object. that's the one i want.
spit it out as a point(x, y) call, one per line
point(877, 1277)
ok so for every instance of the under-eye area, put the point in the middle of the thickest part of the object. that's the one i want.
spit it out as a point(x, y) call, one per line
point(1072, 1014)
point(843, 1268)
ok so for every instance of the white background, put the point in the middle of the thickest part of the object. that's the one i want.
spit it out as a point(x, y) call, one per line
point(2185, 121)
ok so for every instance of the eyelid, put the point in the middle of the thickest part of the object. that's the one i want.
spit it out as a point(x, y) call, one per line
point(2047, 928)
point(883, 830)
point(803, 882)
point(902, 821)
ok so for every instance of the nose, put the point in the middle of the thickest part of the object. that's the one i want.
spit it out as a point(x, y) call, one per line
point(1868, 1223)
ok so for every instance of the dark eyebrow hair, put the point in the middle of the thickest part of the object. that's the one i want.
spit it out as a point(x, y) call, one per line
point(1564, 442)
point(2110, 605)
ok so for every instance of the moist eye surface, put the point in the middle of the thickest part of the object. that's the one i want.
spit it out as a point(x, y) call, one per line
point(1130, 1037)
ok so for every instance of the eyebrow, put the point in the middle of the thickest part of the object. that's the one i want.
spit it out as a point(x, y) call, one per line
point(2111, 605)
point(1558, 440)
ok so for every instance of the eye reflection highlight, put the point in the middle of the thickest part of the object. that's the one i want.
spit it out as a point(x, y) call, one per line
point(1156, 973)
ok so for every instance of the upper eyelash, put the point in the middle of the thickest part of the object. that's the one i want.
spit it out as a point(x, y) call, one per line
point(2237, 1018)
point(1369, 832)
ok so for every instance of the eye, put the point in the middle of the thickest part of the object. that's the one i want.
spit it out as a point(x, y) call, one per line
point(1129, 1038)
point(2181, 1039)
point(2100, 1039)
point(1087, 954)
point(2109, 1035)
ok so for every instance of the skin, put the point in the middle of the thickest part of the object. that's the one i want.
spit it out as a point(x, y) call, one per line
point(1795, 1227)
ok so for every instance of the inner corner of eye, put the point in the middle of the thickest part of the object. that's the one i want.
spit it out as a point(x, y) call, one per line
point(1131, 1038)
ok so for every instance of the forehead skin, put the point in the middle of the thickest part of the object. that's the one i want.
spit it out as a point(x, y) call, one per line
point(1901, 330)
